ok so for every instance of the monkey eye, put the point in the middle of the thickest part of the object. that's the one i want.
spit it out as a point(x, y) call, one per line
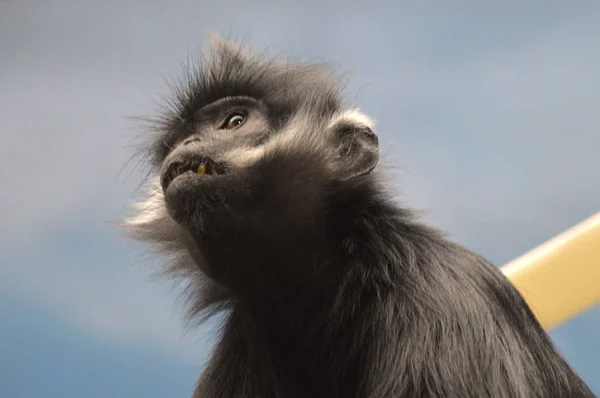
point(234, 121)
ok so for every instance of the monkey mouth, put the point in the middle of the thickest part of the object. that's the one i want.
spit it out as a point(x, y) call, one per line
point(202, 166)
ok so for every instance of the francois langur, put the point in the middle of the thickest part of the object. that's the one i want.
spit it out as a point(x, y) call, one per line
point(266, 197)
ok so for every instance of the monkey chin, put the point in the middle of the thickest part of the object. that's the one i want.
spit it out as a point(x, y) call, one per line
point(191, 195)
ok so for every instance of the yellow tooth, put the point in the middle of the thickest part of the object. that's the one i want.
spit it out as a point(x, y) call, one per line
point(213, 171)
point(201, 169)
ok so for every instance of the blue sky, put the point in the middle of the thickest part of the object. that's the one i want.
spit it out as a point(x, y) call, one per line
point(487, 116)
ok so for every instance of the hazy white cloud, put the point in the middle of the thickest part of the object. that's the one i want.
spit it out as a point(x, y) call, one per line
point(489, 115)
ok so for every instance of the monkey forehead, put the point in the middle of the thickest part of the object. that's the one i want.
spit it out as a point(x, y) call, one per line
point(229, 69)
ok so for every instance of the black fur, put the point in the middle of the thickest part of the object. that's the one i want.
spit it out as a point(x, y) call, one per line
point(334, 290)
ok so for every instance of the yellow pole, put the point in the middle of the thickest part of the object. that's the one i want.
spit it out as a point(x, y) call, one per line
point(561, 278)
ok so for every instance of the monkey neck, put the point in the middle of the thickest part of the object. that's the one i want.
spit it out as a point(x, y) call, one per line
point(310, 301)
point(306, 264)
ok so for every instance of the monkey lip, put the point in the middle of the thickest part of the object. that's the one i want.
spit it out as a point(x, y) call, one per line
point(202, 166)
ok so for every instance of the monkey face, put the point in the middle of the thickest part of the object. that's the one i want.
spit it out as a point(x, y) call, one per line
point(199, 174)
point(237, 163)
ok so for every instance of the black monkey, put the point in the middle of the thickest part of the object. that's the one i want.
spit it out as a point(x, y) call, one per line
point(267, 199)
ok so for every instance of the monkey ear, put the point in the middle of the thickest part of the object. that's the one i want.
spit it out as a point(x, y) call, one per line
point(358, 146)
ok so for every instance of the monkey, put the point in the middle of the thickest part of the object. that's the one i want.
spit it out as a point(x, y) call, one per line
point(266, 195)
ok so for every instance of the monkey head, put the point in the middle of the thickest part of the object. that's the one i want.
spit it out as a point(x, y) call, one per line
point(249, 161)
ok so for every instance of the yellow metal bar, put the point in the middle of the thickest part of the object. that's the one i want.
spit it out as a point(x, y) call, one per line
point(561, 278)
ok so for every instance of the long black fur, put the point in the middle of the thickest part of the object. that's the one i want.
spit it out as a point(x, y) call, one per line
point(334, 290)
